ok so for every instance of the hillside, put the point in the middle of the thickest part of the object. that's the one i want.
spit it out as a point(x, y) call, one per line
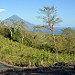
point(17, 54)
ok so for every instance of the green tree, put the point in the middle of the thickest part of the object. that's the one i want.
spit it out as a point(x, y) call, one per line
point(16, 35)
point(50, 19)
point(22, 27)
point(4, 30)
point(68, 32)
point(12, 24)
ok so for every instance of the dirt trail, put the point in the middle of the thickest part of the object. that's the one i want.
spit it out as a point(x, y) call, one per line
point(55, 70)
point(4, 67)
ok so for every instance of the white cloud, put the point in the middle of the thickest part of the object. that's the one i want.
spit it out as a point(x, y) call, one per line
point(1, 10)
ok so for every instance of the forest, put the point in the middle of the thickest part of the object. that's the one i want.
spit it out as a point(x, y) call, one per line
point(21, 47)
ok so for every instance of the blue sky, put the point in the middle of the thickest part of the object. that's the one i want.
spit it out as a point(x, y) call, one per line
point(27, 10)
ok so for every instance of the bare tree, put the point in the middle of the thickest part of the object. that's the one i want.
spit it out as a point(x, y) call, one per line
point(50, 19)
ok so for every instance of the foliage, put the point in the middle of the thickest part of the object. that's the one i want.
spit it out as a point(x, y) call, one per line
point(4, 30)
point(37, 48)
point(50, 19)
point(68, 32)
point(18, 54)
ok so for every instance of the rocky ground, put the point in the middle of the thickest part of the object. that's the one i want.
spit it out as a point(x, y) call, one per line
point(57, 69)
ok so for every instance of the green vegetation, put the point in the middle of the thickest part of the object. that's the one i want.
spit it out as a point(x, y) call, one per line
point(20, 47)
point(15, 52)
point(50, 19)
point(18, 54)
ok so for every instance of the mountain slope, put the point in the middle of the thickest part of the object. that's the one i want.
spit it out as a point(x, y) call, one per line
point(15, 53)
point(15, 17)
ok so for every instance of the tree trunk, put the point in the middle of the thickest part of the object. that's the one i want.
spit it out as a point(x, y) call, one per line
point(56, 52)
point(11, 33)
point(22, 39)
point(41, 61)
point(29, 64)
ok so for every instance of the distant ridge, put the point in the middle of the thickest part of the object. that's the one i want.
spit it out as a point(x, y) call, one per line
point(57, 30)
point(15, 17)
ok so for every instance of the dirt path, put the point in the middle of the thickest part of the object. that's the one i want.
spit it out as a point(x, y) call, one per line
point(57, 70)
point(4, 67)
